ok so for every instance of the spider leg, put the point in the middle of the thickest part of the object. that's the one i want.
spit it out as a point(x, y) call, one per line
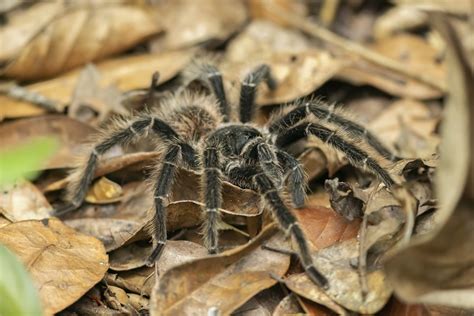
point(212, 76)
point(78, 189)
point(212, 196)
point(327, 114)
point(356, 156)
point(249, 90)
point(295, 177)
point(288, 222)
point(266, 157)
point(163, 186)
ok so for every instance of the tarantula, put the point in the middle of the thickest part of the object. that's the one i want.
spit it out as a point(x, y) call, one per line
point(194, 132)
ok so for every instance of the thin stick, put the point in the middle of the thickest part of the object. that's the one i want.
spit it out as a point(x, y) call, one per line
point(355, 48)
point(16, 92)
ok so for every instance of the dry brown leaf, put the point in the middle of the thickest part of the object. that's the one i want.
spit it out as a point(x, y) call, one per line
point(298, 283)
point(222, 282)
point(397, 19)
point(397, 308)
point(69, 133)
point(125, 73)
point(461, 7)
point(23, 201)
point(260, 9)
point(23, 25)
point(63, 264)
point(104, 191)
point(189, 22)
point(336, 263)
point(414, 52)
point(135, 255)
point(323, 227)
point(107, 166)
point(112, 232)
point(288, 306)
point(437, 268)
point(265, 38)
point(4, 221)
point(80, 36)
point(297, 75)
point(138, 281)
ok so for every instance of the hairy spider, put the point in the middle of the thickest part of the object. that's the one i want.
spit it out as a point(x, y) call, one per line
point(194, 131)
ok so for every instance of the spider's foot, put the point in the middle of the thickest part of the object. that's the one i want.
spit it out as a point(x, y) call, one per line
point(317, 278)
point(64, 209)
point(155, 255)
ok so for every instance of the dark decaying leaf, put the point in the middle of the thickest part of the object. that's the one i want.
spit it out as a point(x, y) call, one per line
point(345, 200)
point(224, 282)
point(64, 264)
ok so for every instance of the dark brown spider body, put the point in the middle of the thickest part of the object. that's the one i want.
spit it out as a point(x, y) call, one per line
point(193, 131)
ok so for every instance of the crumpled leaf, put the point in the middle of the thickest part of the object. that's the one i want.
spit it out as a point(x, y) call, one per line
point(70, 134)
point(413, 52)
point(125, 73)
point(288, 306)
point(80, 36)
point(437, 267)
point(346, 200)
point(134, 255)
point(64, 264)
point(24, 25)
point(23, 201)
point(189, 22)
point(138, 281)
point(222, 282)
point(399, 18)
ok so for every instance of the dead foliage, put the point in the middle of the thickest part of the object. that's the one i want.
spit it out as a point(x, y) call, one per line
point(402, 69)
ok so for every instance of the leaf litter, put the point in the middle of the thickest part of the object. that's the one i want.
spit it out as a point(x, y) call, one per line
point(391, 76)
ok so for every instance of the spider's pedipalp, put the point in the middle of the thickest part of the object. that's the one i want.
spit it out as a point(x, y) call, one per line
point(164, 182)
point(288, 222)
point(354, 154)
point(295, 177)
point(212, 183)
point(330, 115)
point(249, 89)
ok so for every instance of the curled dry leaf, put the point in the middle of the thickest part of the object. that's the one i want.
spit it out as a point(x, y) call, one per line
point(189, 22)
point(347, 201)
point(288, 306)
point(138, 281)
point(24, 25)
point(80, 36)
point(23, 201)
point(70, 134)
point(414, 52)
point(135, 255)
point(222, 282)
point(400, 18)
point(125, 73)
point(261, 9)
point(64, 264)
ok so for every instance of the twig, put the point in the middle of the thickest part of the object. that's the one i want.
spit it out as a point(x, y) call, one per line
point(22, 94)
point(354, 48)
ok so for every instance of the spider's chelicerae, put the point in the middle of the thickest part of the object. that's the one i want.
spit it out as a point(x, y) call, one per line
point(194, 131)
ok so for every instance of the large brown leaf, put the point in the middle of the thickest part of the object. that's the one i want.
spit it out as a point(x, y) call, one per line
point(222, 282)
point(64, 264)
point(80, 36)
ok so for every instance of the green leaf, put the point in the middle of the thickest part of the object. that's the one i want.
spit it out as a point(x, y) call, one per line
point(18, 296)
point(24, 160)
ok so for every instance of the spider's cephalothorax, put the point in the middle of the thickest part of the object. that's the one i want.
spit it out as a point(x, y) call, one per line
point(194, 132)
